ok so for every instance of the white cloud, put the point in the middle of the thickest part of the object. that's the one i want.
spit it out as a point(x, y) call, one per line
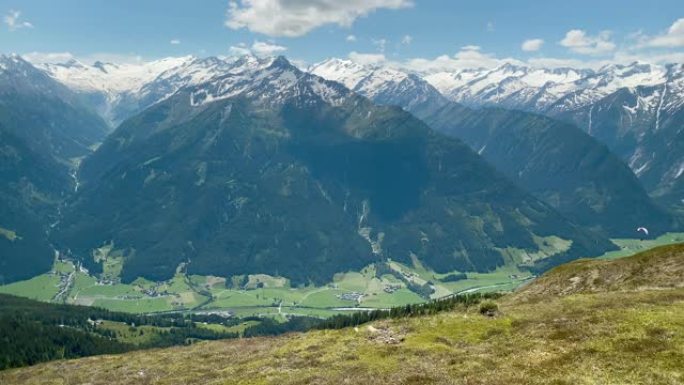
point(619, 57)
point(637, 47)
point(302, 65)
point(258, 48)
point(407, 39)
point(48, 57)
point(239, 50)
point(367, 58)
point(532, 45)
point(380, 43)
point(294, 18)
point(578, 41)
point(14, 22)
point(175, 42)
point(674, 37)
point(550, 62)
point(62, 57)
point(261, 48)
point(648, 57)
point(468, 57)
point(107, 57)
point(472, 57)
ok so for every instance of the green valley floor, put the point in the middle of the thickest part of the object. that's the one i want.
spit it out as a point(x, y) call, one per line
point(263, 295)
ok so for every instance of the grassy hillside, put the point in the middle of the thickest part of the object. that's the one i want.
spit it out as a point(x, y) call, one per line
point(659, 268)
point(628, 335)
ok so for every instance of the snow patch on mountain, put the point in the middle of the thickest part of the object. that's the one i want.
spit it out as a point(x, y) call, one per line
point(367, 80)
point(110, 78)
point(384, 85)
point(269, 80)
point(543, 90)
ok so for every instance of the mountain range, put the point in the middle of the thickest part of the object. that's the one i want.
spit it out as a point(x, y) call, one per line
point(119, 91)
point(229, 166)
point(268, 168)
point(635, 109)
point(556, 161)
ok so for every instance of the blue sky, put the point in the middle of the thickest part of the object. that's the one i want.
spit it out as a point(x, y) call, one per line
point(419, 32)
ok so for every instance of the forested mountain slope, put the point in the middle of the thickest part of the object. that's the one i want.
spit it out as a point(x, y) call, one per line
point(270, 169)
point(44, 130)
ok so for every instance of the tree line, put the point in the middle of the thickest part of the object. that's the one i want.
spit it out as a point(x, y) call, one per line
point(411, 310)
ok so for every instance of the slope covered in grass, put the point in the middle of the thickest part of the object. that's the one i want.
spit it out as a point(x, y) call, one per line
point(620, 338)
point(614, 337)
point(659, 268)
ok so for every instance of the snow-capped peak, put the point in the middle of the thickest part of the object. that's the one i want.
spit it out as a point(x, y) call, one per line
point(17, 72)
point(268, 80)
point(13, 62)
point(126, 88)
point(538, 89)
point(382, 84)
point(342, 71)
point(358, 77)
point(109, 78)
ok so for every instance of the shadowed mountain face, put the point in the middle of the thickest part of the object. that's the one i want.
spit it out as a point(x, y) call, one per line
point(44, 114)
point(635, 109)
point(269, 169)
point(643, 125)
point(32, 186)
point(43, 129)
point(557, 162)
point(392, 173)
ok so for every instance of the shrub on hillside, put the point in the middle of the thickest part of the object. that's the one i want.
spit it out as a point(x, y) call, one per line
point(489, 308)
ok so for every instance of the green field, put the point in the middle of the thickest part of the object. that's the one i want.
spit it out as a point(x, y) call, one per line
point(42, 287)
point(263, 295)
point(143, 305)
point(240, 328)
point(398, 298)
point(137, 335)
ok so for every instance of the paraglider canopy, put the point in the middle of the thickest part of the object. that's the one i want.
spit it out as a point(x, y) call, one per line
point(642, 230)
